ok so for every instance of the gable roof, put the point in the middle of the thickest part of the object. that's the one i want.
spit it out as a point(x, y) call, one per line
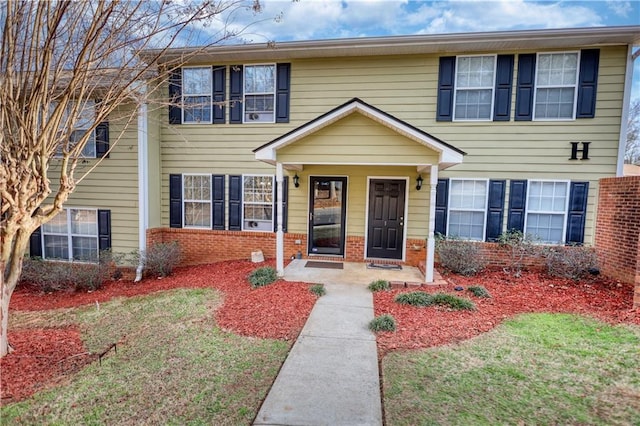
point(448, 154)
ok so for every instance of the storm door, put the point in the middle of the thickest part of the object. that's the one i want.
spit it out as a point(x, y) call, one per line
point(385, 236)
point(327, 213)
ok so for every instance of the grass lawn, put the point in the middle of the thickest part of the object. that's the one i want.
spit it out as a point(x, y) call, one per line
point(533, 369)
point(174, 365)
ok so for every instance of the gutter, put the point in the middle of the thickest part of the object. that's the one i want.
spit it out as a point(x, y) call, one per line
point(143, 187)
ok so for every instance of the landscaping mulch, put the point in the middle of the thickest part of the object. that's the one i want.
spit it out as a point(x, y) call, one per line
point(420, 327)
point(42, 356)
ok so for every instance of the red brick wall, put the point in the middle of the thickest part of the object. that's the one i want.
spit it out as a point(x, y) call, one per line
point(618, 230)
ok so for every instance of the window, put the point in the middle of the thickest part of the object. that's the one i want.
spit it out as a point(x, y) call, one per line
point(547, 204)
point(197, 86)
point(257, 202)
point(85, 118)
point(72, 235)
point(259, 93)
point(467, 209)
point(196, 200)
point(556, 83)
point(475, 78)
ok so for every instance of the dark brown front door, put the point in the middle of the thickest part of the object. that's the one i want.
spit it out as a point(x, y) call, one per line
point(385, 235)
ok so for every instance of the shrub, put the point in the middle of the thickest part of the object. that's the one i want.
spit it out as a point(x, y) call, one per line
point(384, 322)
point(318, 290)
point(460, 256)
point(414, 298)
point(479, 291)
point(453, 302)
point(574, 262)
point(519, 246)
point(379, 285)
point(262, 276)
point(161, 258)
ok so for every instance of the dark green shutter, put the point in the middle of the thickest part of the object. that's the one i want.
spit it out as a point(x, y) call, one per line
point(219, 82)
point(175, 96)
point(283, 83)
point(235, 88)
point(517, 205)
point(175, 201)
point(218, 201)
point(577, 212)
point(504, 82)
point(588, 83)
point(104, 229)
point(35, 243)
point(285, 203)
point(525, 86)
point(235, 203)
point(102, 140)
point(446, 82)
point(442, 201)
point(495, 209)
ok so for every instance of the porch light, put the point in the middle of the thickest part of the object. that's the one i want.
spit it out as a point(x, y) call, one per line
point(296, 180)
point(419, 182)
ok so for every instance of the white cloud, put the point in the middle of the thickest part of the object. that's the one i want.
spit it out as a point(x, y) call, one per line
point(620, 8)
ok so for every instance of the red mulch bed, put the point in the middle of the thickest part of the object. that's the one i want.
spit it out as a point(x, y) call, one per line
point(600, 298)
point(43, 356)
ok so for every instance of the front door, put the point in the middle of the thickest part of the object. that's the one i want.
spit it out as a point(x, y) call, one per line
point(327, 214)
point(385, 236)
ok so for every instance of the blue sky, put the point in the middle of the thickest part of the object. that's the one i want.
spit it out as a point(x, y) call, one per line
point(286, 20)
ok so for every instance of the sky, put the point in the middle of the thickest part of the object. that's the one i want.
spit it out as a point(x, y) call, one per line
point(297, 20)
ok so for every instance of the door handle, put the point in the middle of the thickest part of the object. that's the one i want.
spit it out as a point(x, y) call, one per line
point(310, 216)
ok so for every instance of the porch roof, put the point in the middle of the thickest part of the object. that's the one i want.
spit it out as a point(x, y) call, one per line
point(437, 152)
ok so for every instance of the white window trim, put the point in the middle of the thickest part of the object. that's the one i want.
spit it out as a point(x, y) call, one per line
point(273, 204)
point(575, 86)
point(70, 235)
point(185, 200)
point(484, 211)
point(493, 88)
point(565, 212)
point(210, 95)
point(244, 93)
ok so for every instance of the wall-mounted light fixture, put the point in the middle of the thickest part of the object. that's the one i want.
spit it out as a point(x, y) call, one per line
point(419, 182)
point(296, 180)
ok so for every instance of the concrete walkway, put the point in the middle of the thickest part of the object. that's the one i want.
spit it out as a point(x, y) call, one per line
point(331, 374)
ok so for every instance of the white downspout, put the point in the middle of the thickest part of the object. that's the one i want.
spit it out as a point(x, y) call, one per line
point(431, 241)
point(279, 230)
point(143, 186)
point(626, 99)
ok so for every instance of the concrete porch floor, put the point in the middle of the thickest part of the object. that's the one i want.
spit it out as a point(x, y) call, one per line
point(354, 273)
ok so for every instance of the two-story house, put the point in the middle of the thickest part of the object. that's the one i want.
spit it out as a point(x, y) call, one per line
point(363, 149)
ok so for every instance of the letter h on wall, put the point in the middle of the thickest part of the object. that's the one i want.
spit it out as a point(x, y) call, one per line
point(575, 150)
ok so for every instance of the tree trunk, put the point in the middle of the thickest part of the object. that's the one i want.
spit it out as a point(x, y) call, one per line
point(11, 270)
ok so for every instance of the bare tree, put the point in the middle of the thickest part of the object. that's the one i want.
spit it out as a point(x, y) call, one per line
point(56, 59)
point(632, 152)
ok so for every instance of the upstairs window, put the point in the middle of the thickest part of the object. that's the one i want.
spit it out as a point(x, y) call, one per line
point(85, 117)
point(71, 235)
point(467, 209)
point(556, 86)
point(475, 80)
point(197, 92)
point(547, 204)
point(196, 200)
point(259, 93)
point(257, 203)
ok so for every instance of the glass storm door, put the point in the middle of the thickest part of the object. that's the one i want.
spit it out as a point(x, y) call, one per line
point(327, 212)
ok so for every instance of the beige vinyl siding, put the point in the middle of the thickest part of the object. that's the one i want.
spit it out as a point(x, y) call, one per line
point(113, 185)
point(406, 87)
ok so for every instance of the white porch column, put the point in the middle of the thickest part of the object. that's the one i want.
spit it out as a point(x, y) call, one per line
point(431, 241)
point(143, 184)
point(279, 231)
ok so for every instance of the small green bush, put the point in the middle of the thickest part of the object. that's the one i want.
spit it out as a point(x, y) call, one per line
point(453, 302)
point(460, 256)
point(318, 290)
point(161, 258)
point(379, 285)
point(384, 322)
point(574, 262)
point(479, 291)
point(262, 276)
point(414, 298)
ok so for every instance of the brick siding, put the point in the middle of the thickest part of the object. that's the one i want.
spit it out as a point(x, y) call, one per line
point(617, 237)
